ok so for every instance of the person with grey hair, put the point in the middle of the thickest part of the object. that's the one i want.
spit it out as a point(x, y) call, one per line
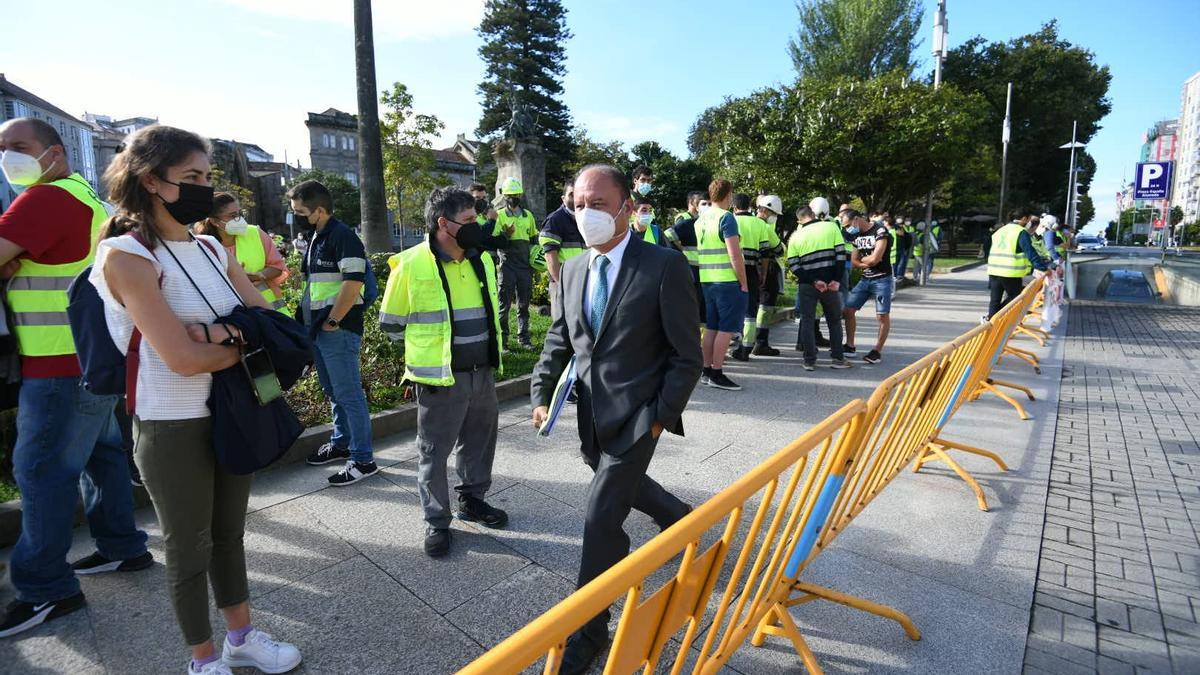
point(442, 295)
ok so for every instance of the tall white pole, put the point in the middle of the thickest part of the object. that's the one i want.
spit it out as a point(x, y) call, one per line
point(940, 35)
point(1071, 177)
point(1005, 137)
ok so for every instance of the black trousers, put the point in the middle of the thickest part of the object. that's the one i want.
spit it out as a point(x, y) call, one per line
point(753, 287)
point(1003, 290)
point(619, 485)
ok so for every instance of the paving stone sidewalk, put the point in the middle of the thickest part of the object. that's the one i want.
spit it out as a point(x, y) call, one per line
point(340, 572)
point(1118, 588)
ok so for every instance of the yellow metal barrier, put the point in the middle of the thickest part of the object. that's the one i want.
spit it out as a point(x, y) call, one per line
point(784, 497)
point(797, 502)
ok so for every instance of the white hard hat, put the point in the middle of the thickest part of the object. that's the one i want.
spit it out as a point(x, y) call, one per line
point(819, 206)
point(771, 203)
point(1050, 221)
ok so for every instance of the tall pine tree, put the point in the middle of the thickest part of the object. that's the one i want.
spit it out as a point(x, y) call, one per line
point(524, 49)
point(860, 39)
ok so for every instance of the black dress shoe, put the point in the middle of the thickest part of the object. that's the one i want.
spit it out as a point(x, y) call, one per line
point(580, 653)
point(822, 341)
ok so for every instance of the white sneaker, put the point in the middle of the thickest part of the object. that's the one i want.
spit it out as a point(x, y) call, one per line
point(261, 651)
point(217, 667)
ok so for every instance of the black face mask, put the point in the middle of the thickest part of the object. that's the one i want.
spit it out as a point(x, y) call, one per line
point(481, 207)
point(194, 204)
point(469, 236)
point(513, 202)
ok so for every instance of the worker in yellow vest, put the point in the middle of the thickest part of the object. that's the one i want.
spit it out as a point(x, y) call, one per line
point(442, 302)
point(723, 278)
point(770, 208)
point(1012, 257)
point(516, 224)
point(67, 437)
point(250, 245)
point(644, 225)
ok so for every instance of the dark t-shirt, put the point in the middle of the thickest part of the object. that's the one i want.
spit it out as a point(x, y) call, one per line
point(865, 243)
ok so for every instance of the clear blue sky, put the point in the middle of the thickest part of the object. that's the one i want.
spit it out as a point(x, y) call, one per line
point(637, 70)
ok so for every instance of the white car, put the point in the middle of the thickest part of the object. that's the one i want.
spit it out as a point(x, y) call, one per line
point(1087, 242)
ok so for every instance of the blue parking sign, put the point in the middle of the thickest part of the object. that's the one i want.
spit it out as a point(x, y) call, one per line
point(1152, 180)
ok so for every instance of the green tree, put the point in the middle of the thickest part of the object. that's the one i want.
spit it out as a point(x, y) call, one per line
point(1110, 231)
point(524, 52)
point(886, 141)
point(1055, 83)
point(345, 196)
point(586, 150)
point(409, 167)
point(1176, 215)
point(855, 38)
point(222, 184)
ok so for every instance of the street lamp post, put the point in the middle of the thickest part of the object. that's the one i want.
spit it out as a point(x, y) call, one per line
point(1071, 179)
point(941, 35)
point(1005, 137)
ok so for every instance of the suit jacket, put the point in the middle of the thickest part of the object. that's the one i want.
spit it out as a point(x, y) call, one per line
point(645, 361)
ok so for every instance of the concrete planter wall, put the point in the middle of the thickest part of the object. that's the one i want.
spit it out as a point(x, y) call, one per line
point(386, 423)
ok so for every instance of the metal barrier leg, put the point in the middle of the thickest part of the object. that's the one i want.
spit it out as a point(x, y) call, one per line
point(1011, 385)
point(1026, 356)
point(937, 449)
point(1035, 333)
point(778, 622)
point(815, 592)
point(988, 386)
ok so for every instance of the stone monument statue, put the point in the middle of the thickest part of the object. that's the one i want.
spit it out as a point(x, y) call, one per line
point(520, 155)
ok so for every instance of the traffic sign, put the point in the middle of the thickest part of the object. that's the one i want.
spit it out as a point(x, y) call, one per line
point(1152, 180)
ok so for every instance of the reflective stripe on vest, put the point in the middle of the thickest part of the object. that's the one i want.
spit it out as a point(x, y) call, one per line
point(37, 293)
point(712, 255)
point(415, 285)
point(248, 248)
point(1006, 258)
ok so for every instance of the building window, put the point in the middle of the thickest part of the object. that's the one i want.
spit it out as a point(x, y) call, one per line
point(342, 140)
point(325, 140)
point(351, 139)
point(352, 176)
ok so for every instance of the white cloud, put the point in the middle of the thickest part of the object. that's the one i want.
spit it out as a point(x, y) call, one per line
point(630, 130)
point(393, 19)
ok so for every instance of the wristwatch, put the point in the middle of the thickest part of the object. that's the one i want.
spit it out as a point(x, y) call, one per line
point(333, 323)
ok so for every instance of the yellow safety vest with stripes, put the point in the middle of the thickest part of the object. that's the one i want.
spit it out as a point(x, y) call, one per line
point(37, 293)
point(253, 257)
point(415, 309)
point(816, 246)
point(714, 261)
point(1006, 258)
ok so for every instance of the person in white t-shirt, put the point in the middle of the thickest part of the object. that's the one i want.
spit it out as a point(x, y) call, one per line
point(164, 281)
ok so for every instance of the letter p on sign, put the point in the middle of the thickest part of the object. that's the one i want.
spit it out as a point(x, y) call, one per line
point(1151, 173)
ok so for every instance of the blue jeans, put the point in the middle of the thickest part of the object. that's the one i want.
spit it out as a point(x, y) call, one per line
point(337, 357)
point(68, 440)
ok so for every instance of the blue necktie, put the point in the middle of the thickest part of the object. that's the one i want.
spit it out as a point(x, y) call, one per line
point(599, 293)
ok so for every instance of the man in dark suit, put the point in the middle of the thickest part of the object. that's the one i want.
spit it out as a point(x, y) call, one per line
point(626, 311)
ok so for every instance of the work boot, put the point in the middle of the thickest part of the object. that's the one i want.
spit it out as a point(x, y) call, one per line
point(762, 346)
point(740, 354)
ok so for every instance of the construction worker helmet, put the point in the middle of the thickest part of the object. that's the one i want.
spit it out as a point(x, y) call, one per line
point(771, 203)
point(819, 206)
point(512, 186)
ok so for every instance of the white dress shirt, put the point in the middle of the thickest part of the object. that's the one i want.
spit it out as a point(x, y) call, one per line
point(614, 265)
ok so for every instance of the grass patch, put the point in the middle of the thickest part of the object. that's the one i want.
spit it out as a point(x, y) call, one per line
point(945, 263)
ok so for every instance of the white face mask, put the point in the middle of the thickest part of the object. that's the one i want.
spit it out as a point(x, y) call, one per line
point(237, 226)
point(596, 226)
point(705, 207)
point(21, 169)
point(772, 218)
point(645, 218)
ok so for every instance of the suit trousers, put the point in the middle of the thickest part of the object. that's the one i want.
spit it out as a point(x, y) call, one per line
point(620, 484)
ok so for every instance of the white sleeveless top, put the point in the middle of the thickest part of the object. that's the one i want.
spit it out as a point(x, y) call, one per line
point(163, 394)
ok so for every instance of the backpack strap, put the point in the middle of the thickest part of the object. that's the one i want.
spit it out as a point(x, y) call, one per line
point(133, 353)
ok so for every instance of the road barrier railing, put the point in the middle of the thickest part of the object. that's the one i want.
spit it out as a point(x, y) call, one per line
point(740, 540)
point(733, 567)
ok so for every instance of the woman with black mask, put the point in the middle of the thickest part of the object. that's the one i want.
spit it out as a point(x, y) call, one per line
point(153, 274)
